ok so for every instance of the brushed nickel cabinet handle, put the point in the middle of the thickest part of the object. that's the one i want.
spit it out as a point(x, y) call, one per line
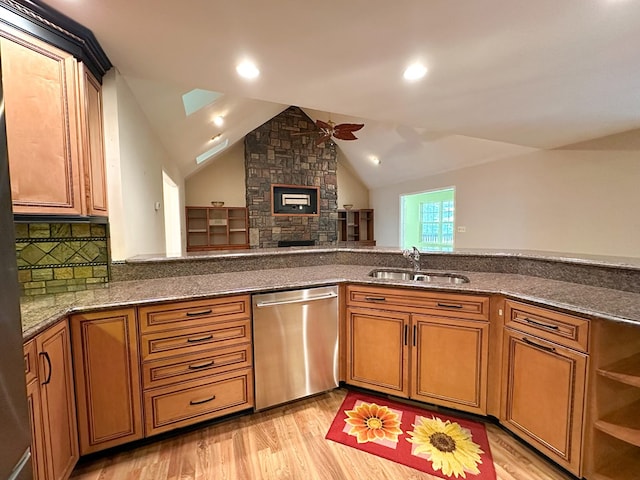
point(196, 366)
point(200, 339)
point(375, 299)
point(448, 305)
point(541, 324)
point(48, 359)
point(204, 400)
point(541, 347)
point(197, 314)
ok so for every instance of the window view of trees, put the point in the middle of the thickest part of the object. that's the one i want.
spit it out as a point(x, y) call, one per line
point(428, 220)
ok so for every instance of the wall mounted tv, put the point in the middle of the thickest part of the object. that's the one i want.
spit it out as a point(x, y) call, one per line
point(294, 200)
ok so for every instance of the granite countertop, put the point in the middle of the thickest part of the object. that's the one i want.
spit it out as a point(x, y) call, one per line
point(38, 312)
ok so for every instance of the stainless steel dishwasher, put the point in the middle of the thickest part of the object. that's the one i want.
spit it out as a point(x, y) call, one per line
point(295, 344)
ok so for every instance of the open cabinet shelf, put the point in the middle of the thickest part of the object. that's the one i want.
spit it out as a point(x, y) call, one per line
point(217, 228)
point(355, 227)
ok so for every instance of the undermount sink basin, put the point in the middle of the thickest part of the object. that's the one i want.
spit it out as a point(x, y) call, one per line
point(426, 277)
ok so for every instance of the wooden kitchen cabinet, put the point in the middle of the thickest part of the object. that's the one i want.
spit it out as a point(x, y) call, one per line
point(543, 389)
point(197, 361)
point(55, 139)
point(449, 360)
point(51, 403)
point(428, 346)
point(378, 357)
point(92, 142)
point(107, 374)
point(355, 227)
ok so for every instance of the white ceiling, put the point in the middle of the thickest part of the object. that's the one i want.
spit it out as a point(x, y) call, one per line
point(505, 76)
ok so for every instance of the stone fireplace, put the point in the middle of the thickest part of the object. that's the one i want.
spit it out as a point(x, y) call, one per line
point(274, 156)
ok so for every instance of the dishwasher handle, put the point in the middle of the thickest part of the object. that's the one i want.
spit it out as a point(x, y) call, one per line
point(296, 300)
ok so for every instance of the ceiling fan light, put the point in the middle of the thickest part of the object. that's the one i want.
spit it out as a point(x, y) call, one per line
point(414, 72)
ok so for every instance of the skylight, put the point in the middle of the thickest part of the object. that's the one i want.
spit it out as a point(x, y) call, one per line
point(212, 151)
point(197, 99)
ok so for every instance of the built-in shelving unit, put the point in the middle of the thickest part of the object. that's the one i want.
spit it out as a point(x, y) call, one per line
point(615, 436)
point(355, 226)
point(217, 228)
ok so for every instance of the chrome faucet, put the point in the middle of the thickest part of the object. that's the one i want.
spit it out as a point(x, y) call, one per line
point(414, 257)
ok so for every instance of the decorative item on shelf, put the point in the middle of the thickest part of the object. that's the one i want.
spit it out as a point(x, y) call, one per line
point(217, 204)
point(348, 206)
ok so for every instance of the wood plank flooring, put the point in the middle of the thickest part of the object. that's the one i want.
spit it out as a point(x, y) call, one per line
point(287, 443)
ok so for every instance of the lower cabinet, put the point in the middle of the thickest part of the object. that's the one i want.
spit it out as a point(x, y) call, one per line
point(51, 403)
point(107, 374)
point(419, 345)
point(544, 382)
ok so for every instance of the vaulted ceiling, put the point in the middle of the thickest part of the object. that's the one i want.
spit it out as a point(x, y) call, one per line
point(504, 76)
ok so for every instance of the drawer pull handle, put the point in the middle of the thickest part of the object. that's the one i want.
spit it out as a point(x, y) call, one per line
point(375, 299)
point(448, 305)
point(48, 359)
point(197, 314)
point(200, 339)
point(541, 324)
point(196, 366)
point(204, 400)
point(541, 347)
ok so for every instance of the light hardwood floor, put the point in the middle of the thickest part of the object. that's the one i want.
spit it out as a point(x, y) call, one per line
point(287, 443)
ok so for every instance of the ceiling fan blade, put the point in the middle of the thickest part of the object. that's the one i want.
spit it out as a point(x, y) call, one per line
point(322, 139)
point(348, 127)
point(324, 126)
point(303, 133)
point(344, 135)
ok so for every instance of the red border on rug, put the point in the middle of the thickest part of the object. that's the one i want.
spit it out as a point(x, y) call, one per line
point(401, 452)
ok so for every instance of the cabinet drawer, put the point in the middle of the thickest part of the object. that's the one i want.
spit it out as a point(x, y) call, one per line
point(170, 316)
point(30, 359)
point(413, 301)
point(176, 406)
point(567, 330)
point(189, 367)
point(191, 340)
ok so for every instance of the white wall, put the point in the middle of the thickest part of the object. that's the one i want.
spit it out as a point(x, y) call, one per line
point(223, 179)
point(135, 161)
point(351, 190)
point(578, 199)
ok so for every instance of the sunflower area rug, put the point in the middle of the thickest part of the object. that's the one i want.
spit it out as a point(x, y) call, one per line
point(437, 444)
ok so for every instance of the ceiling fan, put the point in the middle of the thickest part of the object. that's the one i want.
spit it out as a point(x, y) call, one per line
point(341, 131)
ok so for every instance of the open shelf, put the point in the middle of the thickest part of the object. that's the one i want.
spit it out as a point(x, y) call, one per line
point(356, 227)
point(623, 464)
point(623, 424)
point(626, 371)
point(216, 228)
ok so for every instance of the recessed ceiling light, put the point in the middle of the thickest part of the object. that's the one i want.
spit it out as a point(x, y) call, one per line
point(218, 121)
point(375, 159)
point(247, 70)
point(415, 71)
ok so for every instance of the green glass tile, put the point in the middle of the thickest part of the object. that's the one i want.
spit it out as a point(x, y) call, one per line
point(49, 260)
point(98, 230)
point(62, 252)
point(34, 285)
point(94, 281)
point(82, 272)
point(42, 274)
point(21, 245)
point(22, 230)
point(77, 281)
point(60, 230)
point(45, 246)
point(100, 271)
point(89, 251)
point(31, 254)
point(35, 291)
point(24, 276)
point(63, 273)
point(58, 289)
point(80, 230)
point(39, 230)
point(55, 283)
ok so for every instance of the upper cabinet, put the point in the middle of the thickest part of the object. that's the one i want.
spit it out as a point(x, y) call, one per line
point(53, 110)
point(39, 83)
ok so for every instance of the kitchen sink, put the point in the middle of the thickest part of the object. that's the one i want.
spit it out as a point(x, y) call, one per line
point(425, 277)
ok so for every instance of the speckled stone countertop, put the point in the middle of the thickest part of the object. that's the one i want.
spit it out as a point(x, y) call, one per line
point(38, 312)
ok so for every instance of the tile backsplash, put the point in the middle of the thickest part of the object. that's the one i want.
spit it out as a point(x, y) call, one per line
point(61, 257)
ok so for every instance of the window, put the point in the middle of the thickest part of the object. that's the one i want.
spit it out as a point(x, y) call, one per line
point(428, 220)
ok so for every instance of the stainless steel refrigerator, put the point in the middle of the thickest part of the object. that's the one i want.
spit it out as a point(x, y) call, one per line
point(15, 433)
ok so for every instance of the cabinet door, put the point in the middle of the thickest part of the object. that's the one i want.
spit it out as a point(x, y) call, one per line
point(92, 131)
point(449, 362)
point(41, 118)
point(377, 350)
point(543, 396)
point(37, 435)
point(108, 392)
point(57, 400)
